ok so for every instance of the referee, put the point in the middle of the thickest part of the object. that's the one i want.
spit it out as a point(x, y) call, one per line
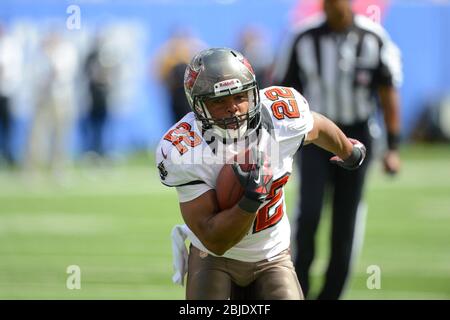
point(341, 62)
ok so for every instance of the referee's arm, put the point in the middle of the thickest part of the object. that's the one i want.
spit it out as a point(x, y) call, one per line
point(389, 78)
point(391, 111)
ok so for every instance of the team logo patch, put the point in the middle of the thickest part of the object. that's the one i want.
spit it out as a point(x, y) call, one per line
point(248, 65)
point(190, 77)
point(162, 171)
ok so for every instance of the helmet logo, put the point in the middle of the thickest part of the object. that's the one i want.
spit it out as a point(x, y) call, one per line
point(227, 85)
point(190, 78)
point(248, 65)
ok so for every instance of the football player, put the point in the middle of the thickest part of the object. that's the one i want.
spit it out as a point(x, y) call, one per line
point(242, 252)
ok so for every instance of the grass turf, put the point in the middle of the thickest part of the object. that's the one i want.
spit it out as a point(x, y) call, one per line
point(114, 223)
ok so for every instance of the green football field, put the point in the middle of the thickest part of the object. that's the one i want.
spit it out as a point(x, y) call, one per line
point(114, 223)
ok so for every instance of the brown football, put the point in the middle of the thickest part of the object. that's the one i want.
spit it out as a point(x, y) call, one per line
point(228, 189)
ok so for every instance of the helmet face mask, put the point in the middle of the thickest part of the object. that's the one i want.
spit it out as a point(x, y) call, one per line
point(222, 72)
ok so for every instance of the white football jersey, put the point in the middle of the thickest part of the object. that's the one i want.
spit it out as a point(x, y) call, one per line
point(186, 161)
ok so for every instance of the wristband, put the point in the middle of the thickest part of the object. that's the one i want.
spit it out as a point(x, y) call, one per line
point(393, 140)
point(249, 205)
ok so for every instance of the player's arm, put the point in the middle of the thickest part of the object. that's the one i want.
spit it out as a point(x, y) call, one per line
point(219, 231)
point(327, 135)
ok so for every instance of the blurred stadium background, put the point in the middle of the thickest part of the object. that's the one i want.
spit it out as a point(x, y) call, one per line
point(107, 212)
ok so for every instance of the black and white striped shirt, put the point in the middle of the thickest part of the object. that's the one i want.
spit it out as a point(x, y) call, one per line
point(339, 72)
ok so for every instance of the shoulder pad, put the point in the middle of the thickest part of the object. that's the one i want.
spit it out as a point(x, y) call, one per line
point(174, 153)
point(288, 110)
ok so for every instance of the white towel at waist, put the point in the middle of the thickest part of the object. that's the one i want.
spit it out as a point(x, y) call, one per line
point(179, 253)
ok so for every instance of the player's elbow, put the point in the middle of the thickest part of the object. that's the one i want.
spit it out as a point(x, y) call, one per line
point(215, 242)
point(217, 248)
point(219, 251)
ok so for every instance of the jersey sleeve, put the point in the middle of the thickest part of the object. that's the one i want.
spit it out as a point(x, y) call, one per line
point(389, 71)
point(178, 173)
point(290, 113)
point(305, 122)
point(190, 192)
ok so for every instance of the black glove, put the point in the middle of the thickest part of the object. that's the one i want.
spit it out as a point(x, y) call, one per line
point(256, 182)
point(356, 158)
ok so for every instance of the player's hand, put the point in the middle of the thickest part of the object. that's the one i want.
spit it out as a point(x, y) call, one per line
point(257, 182)
point(355, 159)
point(391, 162)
